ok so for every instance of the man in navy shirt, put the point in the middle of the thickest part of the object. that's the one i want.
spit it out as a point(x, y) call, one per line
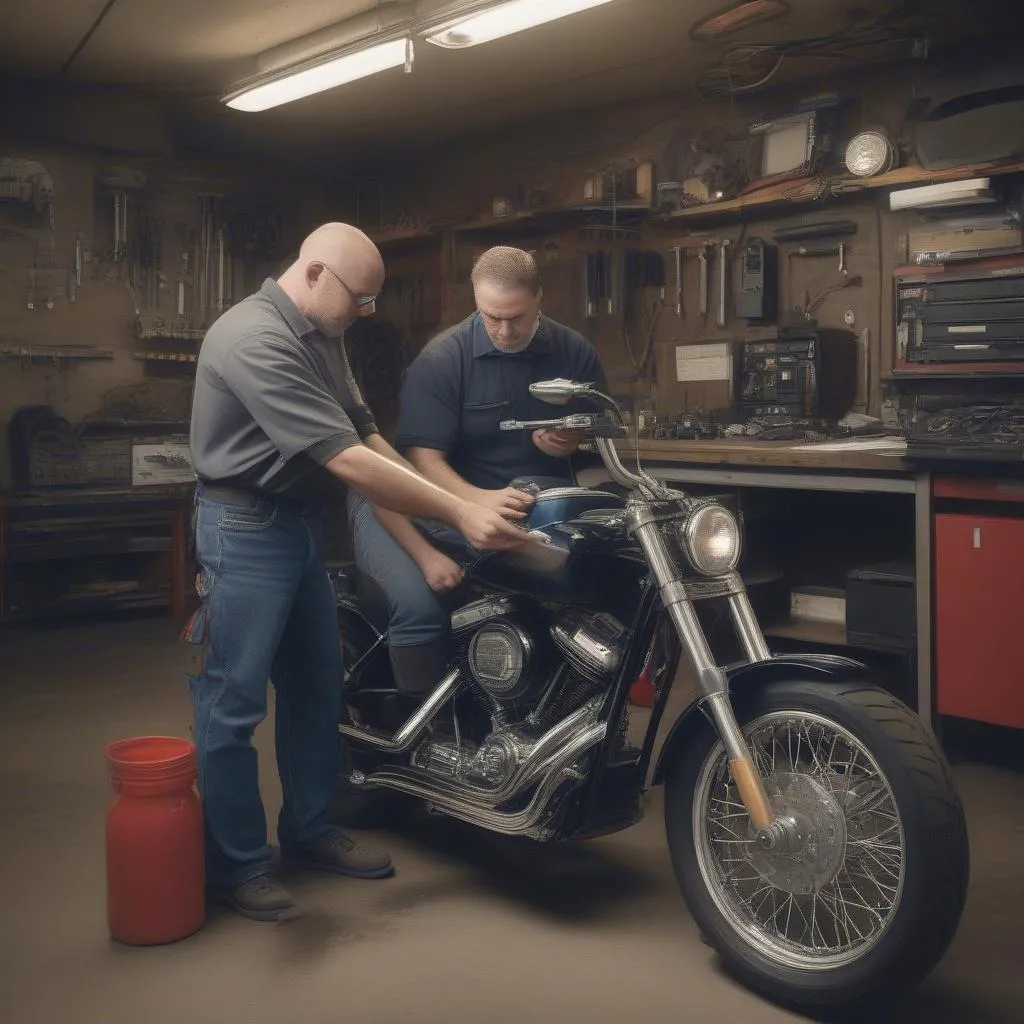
point(456, 393)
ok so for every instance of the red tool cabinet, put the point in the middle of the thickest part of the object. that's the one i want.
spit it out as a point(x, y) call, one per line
point(979, 614)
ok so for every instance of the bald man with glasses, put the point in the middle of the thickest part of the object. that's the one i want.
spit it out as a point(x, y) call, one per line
point(276, 419)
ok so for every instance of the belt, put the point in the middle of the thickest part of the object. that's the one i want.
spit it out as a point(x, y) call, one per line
point(242, 497)
point(228, 495)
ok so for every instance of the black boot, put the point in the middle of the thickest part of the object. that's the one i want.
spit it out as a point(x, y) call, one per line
point(418, 668)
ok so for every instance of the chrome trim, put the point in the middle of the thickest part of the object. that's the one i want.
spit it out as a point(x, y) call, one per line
point(481, 610)
point(728, 728)
point(526, 650)
point(616, 470)
point(723, 586)
point(554, 493)
point(451, 798)
point(418, 720)
point(747, 628)
point(537, 760)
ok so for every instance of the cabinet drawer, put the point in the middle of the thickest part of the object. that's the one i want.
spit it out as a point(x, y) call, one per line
point(969, 488)
point(979, 598)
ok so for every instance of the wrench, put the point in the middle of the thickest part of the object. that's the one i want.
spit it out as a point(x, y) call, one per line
point(679, 280)
point(722, 279)
point(702, 301)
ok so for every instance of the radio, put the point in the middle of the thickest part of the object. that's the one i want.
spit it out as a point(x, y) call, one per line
point(801, 374)
point(758, 291)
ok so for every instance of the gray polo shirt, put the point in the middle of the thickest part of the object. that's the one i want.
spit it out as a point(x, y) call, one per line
point(274, 399)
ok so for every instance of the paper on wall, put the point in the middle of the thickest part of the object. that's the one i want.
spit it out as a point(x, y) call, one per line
point(703, 362)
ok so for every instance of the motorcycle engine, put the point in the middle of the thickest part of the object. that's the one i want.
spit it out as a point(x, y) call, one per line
point(530, 669)
point(592, 642)
point(512, 653)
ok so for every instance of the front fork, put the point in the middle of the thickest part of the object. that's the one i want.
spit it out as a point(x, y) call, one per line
point(711, 679)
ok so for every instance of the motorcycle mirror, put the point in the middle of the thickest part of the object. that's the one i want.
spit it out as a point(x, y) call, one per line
point(559, 391)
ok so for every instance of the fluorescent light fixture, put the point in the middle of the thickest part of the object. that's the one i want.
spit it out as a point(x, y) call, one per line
point(286, 86)
point(503, 20)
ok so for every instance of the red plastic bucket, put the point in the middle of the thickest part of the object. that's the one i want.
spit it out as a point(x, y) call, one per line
point(158, 763)
point(155, 871)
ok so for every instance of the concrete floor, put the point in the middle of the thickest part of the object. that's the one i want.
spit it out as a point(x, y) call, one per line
point(473, 927)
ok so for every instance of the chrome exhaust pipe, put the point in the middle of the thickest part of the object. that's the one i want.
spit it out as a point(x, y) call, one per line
point(540, 758)
point(451, 798)
point(409, 733)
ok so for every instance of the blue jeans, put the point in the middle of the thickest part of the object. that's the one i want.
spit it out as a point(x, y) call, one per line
point(268, 611)
point(418, 614)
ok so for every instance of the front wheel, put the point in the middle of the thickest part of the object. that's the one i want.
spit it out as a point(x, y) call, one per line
point(858, 888)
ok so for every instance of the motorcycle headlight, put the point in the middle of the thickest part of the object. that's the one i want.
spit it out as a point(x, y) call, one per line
point(712, 540)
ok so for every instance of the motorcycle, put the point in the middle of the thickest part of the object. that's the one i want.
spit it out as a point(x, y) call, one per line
point(813, 825)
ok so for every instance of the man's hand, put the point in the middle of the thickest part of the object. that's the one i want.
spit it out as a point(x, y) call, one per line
point(512, 504)
point(488, 530)
point(558, 443)
point(440, 571)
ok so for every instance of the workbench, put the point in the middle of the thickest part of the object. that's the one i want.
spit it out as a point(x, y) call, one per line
point(788, 465)
point(67, 550)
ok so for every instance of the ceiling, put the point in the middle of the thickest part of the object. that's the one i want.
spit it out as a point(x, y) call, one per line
point(191, 51)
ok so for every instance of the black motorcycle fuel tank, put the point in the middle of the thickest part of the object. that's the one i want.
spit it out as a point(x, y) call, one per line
point(583, 558)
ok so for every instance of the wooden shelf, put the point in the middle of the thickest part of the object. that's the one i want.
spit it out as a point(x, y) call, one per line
point(525, 219)
point(736, 453)
point(809, 190)
point(789, 194)
point(522, 220)
point(166, 357)
point(396, 236)
point(832, 633)
point(956, 371)
point(54, 353)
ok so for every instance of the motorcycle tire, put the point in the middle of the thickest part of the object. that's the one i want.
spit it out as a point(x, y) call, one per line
point(927, 819)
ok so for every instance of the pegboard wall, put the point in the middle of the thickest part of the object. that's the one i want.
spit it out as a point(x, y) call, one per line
point(545, 166)
point(72, 293)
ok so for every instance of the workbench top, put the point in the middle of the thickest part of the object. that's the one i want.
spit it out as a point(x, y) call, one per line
point(744, 452)
point(50, 497)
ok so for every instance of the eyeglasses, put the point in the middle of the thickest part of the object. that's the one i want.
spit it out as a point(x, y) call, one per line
point(362, 301)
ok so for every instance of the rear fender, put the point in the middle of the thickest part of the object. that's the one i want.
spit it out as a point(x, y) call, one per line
point(822, 668)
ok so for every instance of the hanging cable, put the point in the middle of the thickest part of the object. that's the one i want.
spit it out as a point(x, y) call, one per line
point(85, 39)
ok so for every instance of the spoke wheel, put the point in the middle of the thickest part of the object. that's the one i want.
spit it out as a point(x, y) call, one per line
point(855, 890)
point(822, 885)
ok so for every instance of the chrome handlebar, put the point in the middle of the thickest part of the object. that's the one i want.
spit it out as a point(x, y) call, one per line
point(559, 392)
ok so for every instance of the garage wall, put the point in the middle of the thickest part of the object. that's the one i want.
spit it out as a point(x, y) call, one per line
point(114, 131)
point(546, 158)
point(552, 157)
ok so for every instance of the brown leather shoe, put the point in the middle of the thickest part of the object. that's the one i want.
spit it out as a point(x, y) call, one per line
point(341, 855)
point(262, 898)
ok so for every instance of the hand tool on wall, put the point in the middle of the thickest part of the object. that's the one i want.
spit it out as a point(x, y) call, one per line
point(805, 252)
point(75, 274)
point(590, 285)
point(183, 275)
point(723, 275)
point(120, 227)
point(115, 248)
point(678, 253)
point(702, 295)
point(819, 229)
